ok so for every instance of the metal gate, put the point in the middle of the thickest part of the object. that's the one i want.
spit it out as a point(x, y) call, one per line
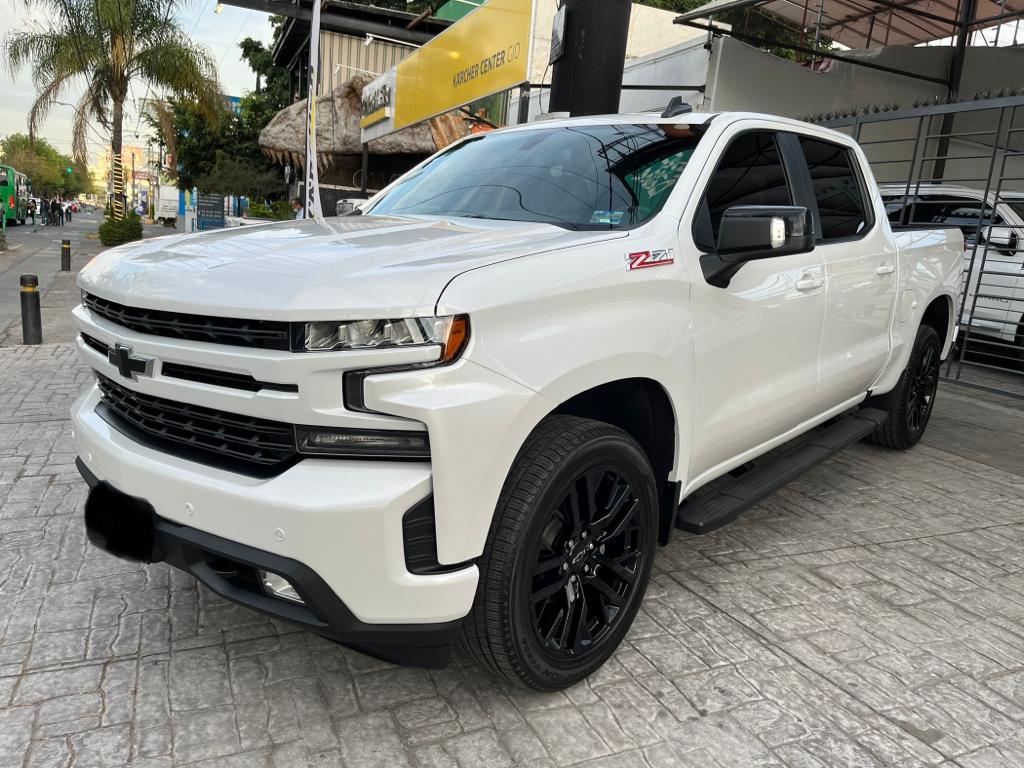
point(962, 164)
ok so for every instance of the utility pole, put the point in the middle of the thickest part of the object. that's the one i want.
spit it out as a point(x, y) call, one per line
point(587, 79)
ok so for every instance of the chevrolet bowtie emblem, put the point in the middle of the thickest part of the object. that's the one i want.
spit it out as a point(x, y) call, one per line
point(128, 365)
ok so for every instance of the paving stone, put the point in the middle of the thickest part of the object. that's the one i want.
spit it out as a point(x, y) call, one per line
point(869, 614)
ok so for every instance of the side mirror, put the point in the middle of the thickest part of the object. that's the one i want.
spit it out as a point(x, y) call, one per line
point(750, 232)
point(1000, 237)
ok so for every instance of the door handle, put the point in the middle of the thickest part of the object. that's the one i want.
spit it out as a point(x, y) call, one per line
point(809, 283)
point(885, 269)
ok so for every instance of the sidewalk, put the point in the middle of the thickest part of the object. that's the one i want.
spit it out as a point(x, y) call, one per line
point(37, 252)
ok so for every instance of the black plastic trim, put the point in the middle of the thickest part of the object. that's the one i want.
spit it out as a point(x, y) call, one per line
point(230, 331)
point(419, 540)
point(218, 562)
point(225, 379)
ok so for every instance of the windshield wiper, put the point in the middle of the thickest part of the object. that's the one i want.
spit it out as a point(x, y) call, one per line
point(562, 224)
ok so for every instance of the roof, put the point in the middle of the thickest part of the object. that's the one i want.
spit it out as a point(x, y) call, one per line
point(868, 23)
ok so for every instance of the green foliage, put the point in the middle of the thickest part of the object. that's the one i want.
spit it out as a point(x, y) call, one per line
point(755, 22)
point(45, 167)
point(239, 176)
point(280, 210)
point(118, 231)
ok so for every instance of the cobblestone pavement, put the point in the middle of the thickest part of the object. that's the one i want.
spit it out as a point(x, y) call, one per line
point(870, 614)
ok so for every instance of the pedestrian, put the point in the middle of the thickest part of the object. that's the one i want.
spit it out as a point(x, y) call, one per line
point(69, 210)
point(297, 206)
point(32, 211)
point(55, 217)
point(61, 205)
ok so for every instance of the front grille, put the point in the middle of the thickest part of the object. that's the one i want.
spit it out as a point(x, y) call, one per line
point(261, 334)
point(245, 444)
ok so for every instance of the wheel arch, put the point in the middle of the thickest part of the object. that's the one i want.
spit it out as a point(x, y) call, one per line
point(642, 408)
point(939, 314)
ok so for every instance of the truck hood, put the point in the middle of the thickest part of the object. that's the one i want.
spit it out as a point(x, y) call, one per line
point(350, 267)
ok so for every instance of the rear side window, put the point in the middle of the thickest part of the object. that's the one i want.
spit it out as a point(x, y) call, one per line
point(944, 210)
point(838, 192)
point(750, 173)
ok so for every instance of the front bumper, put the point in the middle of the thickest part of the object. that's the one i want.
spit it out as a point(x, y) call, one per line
point(231, 570)
point(341, 520)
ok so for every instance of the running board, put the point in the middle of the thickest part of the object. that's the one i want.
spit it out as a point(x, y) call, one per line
point(706, 512)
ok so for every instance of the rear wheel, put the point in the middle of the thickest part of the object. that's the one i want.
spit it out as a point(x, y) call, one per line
point(910, 403)
point(568, 557)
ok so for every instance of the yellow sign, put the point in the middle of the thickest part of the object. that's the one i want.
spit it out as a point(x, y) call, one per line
point(375, 117)
point(485, 52)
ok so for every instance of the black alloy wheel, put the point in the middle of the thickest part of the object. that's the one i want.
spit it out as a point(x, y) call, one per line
point(588, 558)
point(568, 556)
point(909, 404)
point(922, 389)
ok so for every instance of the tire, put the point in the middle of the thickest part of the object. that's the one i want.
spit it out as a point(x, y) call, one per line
point(911, 401)
point(555, 599)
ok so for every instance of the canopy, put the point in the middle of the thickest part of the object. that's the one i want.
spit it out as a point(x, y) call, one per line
point(870, 23)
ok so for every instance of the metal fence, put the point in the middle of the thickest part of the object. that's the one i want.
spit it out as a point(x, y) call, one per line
point(963, 164)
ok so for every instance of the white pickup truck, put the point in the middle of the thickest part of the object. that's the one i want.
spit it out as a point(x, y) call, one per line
point(473, 410)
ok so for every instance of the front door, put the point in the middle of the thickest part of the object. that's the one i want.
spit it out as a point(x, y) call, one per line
point(756, 335)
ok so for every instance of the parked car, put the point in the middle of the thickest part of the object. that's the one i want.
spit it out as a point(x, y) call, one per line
point(473, 410)
point(992, 244)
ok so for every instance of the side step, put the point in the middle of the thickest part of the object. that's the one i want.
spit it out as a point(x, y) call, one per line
point(706, 512)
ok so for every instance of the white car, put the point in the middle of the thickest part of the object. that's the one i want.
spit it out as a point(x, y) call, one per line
point(474, 410)
point(993, 263)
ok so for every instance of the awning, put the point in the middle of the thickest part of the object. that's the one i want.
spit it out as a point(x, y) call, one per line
point(866, 24)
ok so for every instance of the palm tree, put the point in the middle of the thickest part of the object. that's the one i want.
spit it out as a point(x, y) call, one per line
point(102, 47)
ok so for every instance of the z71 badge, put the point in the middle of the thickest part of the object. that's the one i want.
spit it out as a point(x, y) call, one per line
point(644, 259)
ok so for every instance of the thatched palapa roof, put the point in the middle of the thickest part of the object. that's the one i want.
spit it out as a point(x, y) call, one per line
point(337, 130)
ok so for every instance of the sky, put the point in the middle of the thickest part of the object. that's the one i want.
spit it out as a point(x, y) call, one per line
point(221, 33)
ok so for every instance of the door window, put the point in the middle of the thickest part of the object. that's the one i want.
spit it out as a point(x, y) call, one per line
point(842, 209)
point(750, 173)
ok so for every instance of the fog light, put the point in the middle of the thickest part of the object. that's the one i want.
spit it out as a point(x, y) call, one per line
point(279, 586)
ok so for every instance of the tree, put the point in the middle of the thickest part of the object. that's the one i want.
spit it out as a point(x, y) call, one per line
point(108, 45)
point(45, 167)
point(211, 149)
point(239, 176)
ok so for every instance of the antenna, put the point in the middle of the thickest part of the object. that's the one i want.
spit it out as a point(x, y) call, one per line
point(676, 106)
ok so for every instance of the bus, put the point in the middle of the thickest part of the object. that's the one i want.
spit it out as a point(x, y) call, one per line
point(14, 192)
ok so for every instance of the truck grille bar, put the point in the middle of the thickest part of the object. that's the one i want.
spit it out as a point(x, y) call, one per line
point(260, 334)
point(245, 444)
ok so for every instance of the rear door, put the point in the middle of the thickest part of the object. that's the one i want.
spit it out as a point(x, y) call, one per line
point(861, 269)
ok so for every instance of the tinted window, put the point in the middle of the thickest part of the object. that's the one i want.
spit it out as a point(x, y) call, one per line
point(837, 189)
point(585, 177)
point(749, 173)
point(941, 209)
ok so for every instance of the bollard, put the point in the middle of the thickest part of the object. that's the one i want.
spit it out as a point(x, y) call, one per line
point(31, 322)
point(65, 255)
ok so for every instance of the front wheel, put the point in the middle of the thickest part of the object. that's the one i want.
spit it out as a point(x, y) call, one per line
point(568, 556)
point(910, 403)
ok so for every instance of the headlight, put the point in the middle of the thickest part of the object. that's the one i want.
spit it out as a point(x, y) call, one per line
point(450, 333)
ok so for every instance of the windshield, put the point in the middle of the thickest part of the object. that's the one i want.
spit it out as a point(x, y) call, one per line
point(578, 177)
